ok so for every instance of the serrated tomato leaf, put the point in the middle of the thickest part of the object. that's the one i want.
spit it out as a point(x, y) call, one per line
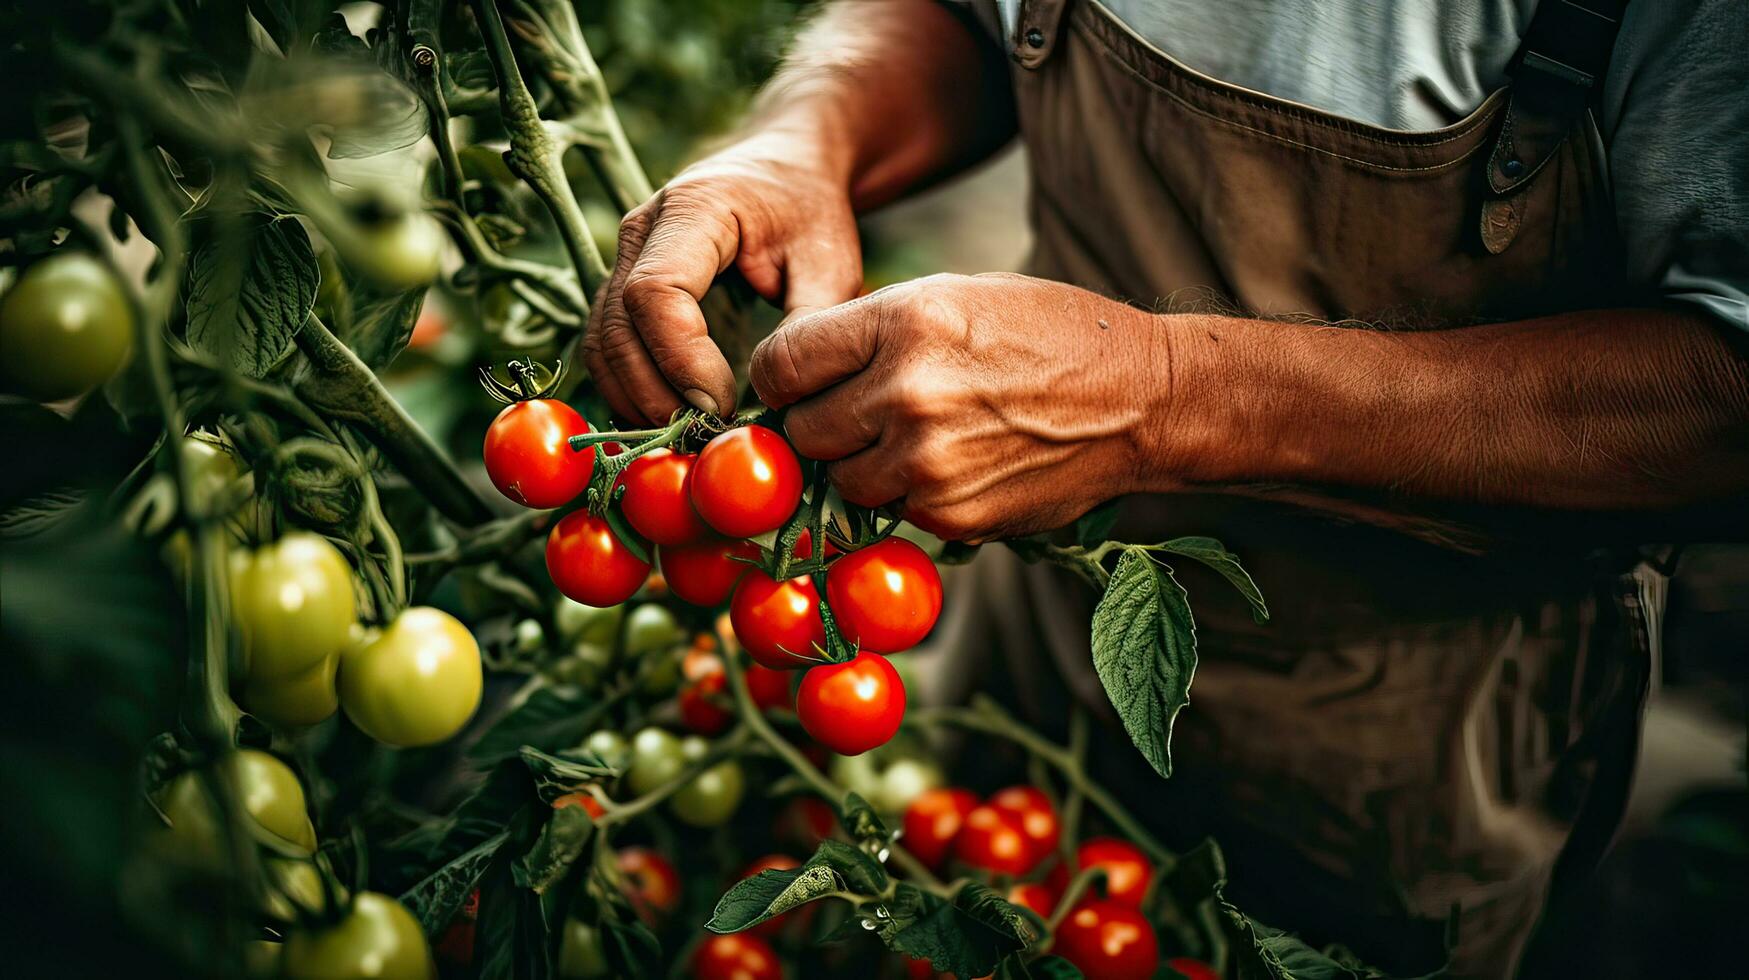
point(1216, 556)
point(1144, 651)
point(250, 292)
point(563, 840)
point(966, 937)
point(435, 898)
point(835, 868)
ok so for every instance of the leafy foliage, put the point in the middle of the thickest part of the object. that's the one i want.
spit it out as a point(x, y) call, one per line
point(249, 293)
point(1144, 650)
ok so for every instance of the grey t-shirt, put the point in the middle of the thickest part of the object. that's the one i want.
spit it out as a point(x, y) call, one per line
point(1675, 102)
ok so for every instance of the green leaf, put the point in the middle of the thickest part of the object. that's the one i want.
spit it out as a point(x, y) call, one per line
point(382, 325)
point(861, 822)
point(435, 899)
point(549, 719)
point(769, 894)
point(1216, 556)
point(966, 937)
point(1095, 526)
point(1043, 968)
point(1144, 650)
point(1197, 876)
point(632, 949)
point(1266, 953)
point(556, 775)
point(562, 841)
point(249, 294)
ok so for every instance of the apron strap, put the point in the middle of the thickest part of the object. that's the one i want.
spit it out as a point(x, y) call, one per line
point(1555, 75)
point(1035, 31)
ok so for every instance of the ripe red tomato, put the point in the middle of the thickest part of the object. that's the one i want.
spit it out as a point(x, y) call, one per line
point(455, 945)
point(773, 862)
point(736, 957)
point(705, 573)
point(590, 564)
point(658, 498)
point(702, 709)
point(778, 622)
point(854, 706)
point(1193, 969)
point(589, 804)
point(529, 456)
point(747, 481)
point(650, 882)
point(1041, 899)
point(1038, 819)
point(933, 820)
point(886, 596)
point(806, 821)
point(1109, 941)
point(1127, 871)
point(770, 688)
point(993, 840)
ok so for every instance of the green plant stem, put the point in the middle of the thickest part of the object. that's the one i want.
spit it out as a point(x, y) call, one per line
point(1083, 880)
point(343, 386)
point(534, 155)
point(985, 716)
point(488, 542)
point(754, 720)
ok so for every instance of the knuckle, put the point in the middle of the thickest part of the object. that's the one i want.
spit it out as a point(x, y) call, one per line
point(776, 371)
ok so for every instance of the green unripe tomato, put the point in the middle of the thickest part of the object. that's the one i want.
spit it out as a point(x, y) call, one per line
point(261, 959)
point(210, 467)
point(65, 328)
point(266, 789)
point(609, 746)
point(587, 666)
point(714, 795)
point(577, 622)
point(580, 953)
point(416, 684)
point(903, 781)
point(402, 251)
point(294, 605)
point(377, 940)
point(295, 886)
point(529, 637)
point(650, 629)
point(656, 758)
point(297, 701)
point(659, 673)
point(858, 774)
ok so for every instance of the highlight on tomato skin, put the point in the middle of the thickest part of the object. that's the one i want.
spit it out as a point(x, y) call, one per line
point(705, 573)
point(1108, 940)
point(854, 706)
point(933, 821)
point(778, 623)
point(747, 481)
point(658, 498)
point(885, 597)
point(529, 457)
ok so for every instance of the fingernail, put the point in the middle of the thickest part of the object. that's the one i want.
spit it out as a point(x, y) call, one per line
point(700, 401)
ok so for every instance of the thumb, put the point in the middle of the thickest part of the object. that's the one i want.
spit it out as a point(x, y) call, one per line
point(821, 272)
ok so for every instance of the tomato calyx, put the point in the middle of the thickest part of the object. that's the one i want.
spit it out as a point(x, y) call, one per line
point(530, 380)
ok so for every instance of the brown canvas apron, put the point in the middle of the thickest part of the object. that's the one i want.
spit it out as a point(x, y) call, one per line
point(1419, 727)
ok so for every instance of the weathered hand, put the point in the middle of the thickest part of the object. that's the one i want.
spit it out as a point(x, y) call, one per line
point(769, 206)
point(991, 405)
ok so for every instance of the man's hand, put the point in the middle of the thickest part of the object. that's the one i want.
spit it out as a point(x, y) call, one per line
point(990, 405)
point(770, 206)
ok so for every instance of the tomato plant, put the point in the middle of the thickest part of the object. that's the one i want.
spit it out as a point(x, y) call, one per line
point(1192, 969)
point(268, 791)
point(416, 684)
point(933, 821)
point(1107, 939)
point(294, 605)
point(590, 564)
point(1037, 817)
point(658, 498)
point(650, 881)
point(740, 957)
point(529, 456)
point(712, 797)
point(778, 623)
point(704, 574)
point(66, 326)
point(1128, 873)
point(886, 596)
point(854, 706)
point(994, 841)
point(747, 481)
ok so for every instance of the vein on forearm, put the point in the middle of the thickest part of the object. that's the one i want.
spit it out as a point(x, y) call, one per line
point(1599, 410)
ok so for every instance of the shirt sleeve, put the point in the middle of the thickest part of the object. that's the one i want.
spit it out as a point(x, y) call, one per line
point(1675, 122)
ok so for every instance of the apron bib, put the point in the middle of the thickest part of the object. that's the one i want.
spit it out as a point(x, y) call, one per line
point(1420, 727)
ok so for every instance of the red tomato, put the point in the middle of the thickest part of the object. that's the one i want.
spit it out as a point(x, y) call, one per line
point(805, 546)
point(736, 957)
point(778, 622)
point(1127, 871)
point(1193, 969)
point(702, 709)
point(1039, 898)
point(773, 862)
point(770, 688)
point(590, 804)
point(1038, 819)
point(933, 820)
point(455, 945)
point(590, 564)
point(886, 596)
point(853, 706)
point(1109, 941)
point(993, 840)
point(704, 574)
point(658, 499)
point(805, 820)
point(650, 882)
point(747, 481)
point(529, 457)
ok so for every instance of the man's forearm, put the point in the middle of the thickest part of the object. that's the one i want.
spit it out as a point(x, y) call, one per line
point(1602, 410)
point(891, 95)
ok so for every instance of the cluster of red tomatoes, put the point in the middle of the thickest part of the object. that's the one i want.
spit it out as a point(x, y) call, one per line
point(700, 512)
point(1012, 836)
